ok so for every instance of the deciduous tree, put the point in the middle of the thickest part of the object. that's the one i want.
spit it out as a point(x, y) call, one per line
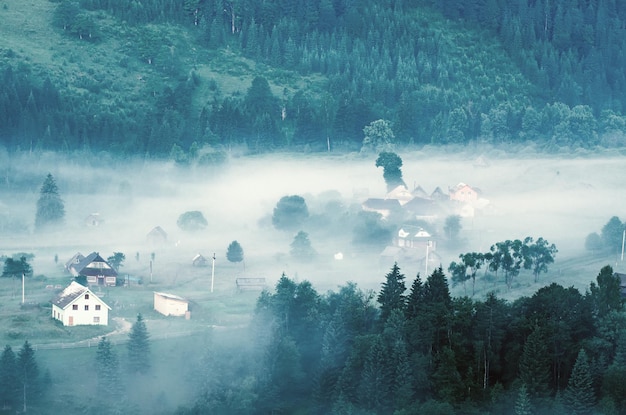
point(391, 164)
point(290, 212)
point(234, 252)
point(192, 221)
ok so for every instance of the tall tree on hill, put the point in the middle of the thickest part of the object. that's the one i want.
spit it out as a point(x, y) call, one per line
point(138, 347)
point(391, 296)
point(50, 206)
point(391, 163)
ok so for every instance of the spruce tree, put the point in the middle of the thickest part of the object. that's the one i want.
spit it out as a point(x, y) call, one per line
point(9, 381)
point(107, 367)
point(534, 365)
point(522, 404)
point(579, 397)
point(391, 296)
point(50, 206)
point(138, 347)
point(28, 375)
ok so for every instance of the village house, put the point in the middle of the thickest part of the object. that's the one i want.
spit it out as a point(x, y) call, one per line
point(94, 268)
point(385, 207)
point(157, 236)
point(171, 305)
point(464, 193)
point(199, 261)
point(94, 220)
point(77, 305)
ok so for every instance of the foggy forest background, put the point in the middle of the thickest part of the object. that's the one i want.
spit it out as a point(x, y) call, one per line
point(120, 98)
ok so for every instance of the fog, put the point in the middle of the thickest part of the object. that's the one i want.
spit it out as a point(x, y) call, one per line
point(560, 198)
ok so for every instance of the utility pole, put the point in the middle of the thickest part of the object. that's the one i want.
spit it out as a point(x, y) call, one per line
point(213, 272)
point(23, 285)
point(426, 268)
point(623, 240)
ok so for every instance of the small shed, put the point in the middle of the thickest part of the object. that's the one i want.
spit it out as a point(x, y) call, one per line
point(170, 304)
point(199, 261)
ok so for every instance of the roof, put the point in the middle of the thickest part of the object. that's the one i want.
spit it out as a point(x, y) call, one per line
point(71, 293)
point(420, 192)
point(413, 232)
point(379, 204)
point(157, 231)
point(82, 268)
point(76, 259)
point(438, 194)
point(462, 185)
point(170, 296)
point(422, 206)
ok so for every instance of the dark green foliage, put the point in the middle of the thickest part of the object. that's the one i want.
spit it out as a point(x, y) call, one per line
point(9, 379)
point(30, 386)
point(138, 347)
point(612, 234)
point(534, 365)
point(391, 296)
point(391, 163)
point(538, 255)
point(107, 369)
point(301, 248)
point(234, 252)
point(522, 404)
point(290, 212)
point(50, 206)
point(17, 268)
point(606, 292)
point(192, 221)
point(579, 397)
point(116, 260)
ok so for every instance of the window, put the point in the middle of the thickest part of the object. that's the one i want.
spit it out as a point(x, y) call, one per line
point(96, 319)
point(86, 296)
point(97, 307)
point(86, 307)
point(75, 307)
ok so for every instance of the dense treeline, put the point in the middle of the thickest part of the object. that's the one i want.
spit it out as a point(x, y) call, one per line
point(417, 349)
point(546, 71)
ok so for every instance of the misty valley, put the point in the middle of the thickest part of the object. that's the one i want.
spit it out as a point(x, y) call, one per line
point(309, 286)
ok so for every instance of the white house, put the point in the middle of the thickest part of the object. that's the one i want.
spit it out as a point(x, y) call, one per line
point(170, 304)
point(77, 305)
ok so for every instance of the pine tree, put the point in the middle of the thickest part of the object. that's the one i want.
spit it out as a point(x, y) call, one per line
point(522, 404)
point(50, 206)
point(534, 365)
point(138, 347)
point(391, 296)
point(28, 374)
point(9, 381)
point(107, 366)
point(579, 396)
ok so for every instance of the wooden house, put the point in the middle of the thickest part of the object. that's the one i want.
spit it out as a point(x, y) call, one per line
point(95, 269)
point(157, 236)
point(463, 193)
point(77, 305)
point(170, 304)
point(94, 220)
point(401, 194)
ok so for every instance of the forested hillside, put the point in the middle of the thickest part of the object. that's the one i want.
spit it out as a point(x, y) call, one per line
point(189, 79)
